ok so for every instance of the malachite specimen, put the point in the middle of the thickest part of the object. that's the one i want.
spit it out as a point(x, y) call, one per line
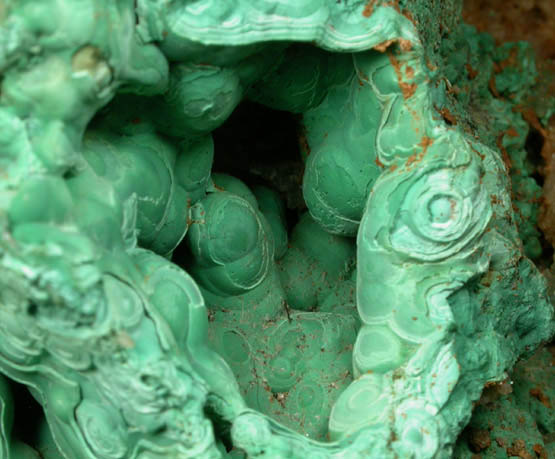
point(157, 309)
point(515, 417)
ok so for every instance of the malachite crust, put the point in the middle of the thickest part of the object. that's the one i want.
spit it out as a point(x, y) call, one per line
point(158, 308)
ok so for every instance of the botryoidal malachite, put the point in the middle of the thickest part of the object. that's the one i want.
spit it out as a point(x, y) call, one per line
point(367, 331)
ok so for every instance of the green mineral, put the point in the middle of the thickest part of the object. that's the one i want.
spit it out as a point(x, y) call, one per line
point(154, 305)
point(514, 418)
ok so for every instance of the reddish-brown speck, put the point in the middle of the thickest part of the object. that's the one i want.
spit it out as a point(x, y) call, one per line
point(472, 73)
point(504, 153)
point(425, 143)
point(492, 87)
point(537, 393)
point(368, 8)
point(407, 89)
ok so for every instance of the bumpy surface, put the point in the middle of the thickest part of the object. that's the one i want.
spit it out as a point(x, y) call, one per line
point(515, 418)
point(156, 309)
point(530, 21)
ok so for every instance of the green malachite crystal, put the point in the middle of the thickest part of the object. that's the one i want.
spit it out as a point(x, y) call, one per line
point(158, 308)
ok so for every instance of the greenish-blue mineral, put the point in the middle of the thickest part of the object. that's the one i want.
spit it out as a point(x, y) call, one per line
point(156, 306)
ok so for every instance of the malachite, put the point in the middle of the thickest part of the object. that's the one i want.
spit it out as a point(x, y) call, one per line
point(157, 309)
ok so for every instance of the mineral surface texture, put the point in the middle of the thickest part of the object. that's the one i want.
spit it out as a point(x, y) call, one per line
point(515, 418)
point(155, 307)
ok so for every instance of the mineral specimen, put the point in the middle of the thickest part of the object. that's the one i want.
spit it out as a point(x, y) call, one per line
point(157, 308)
point(516, 415)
